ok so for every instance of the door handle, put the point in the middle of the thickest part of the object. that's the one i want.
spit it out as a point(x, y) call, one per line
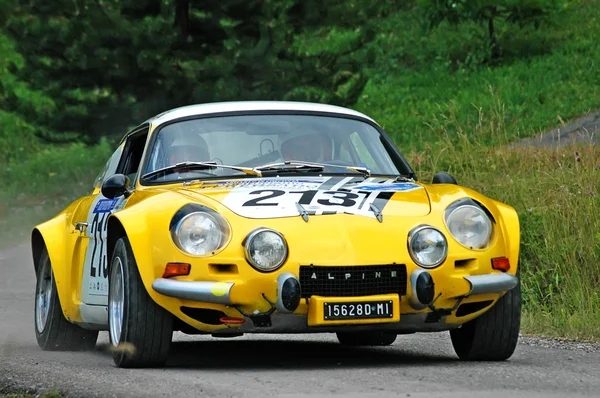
point(81, 226)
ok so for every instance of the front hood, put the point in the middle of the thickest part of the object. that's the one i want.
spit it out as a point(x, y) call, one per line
point(278, 197)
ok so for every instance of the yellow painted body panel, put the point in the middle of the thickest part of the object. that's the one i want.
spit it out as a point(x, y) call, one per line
point(334, 240)
point(66, 249)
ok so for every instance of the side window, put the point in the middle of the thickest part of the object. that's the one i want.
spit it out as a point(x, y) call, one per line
point(132, 156)
point(110, 168)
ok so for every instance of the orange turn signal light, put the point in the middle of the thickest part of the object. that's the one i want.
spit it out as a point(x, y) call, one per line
point(176, 269)
point(501, 263)
point(230, 320)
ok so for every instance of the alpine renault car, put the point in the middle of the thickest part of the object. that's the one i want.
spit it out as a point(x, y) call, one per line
point(273, 217)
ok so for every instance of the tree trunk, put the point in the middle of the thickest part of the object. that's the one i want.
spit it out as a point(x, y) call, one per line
point(494, 46)
point(182, 17)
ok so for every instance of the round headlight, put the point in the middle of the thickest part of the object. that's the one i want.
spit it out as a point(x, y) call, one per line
point(427, 246)
point(470, 226)
point(200, 233)
point(266, 249)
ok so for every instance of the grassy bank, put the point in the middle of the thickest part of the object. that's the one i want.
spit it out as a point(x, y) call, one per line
point(556, 193)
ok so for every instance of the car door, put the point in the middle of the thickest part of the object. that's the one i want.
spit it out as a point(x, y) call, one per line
point(94, 286)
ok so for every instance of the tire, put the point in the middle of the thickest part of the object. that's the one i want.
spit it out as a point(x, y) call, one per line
point(140, 331)
point(366, 338)
point(493, 335)
point(53, 331)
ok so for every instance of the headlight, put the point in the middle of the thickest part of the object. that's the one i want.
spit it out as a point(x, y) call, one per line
point(427, 246)
point(201, 233)
point(266, 249)
point(469, 225)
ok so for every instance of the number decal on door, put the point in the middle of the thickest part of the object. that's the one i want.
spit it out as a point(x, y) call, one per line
point(95, 267)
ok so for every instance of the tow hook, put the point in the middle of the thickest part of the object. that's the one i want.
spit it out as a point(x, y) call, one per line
point(259, 319)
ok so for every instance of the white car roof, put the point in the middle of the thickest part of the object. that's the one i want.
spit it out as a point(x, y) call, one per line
point(237, 106)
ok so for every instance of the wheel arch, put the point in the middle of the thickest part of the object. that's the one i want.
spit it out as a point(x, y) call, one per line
point(37, 247)
point(51, 236)
point(115, 231)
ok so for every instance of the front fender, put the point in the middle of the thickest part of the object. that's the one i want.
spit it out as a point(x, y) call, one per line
point(511, 229)
point(146, 225)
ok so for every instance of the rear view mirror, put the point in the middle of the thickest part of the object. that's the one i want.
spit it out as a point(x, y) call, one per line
point(115, 186)
point(444, 178)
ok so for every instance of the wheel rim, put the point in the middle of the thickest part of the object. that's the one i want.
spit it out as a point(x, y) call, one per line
point(42, 296)
point(116, 301)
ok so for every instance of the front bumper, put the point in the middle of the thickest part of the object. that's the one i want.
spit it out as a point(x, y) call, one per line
point(288, 298)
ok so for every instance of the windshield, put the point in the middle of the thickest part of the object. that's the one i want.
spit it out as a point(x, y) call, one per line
point(259, 140)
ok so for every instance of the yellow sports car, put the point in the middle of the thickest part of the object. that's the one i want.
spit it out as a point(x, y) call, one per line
point(273, 217)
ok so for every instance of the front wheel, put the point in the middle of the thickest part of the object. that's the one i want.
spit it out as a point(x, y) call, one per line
point(140, 330)
point(492, 336)
point(53, 331)
point(366, 338)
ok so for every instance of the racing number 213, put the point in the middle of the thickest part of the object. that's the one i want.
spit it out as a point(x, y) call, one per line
point(332, 198)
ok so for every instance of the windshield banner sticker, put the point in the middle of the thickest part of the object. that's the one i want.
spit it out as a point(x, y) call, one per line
point(281, 197)
point(291, 183)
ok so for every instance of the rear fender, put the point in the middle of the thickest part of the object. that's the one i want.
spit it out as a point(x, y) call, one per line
point(52, 235)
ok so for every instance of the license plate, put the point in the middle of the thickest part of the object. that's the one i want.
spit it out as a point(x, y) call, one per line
point(358, 310)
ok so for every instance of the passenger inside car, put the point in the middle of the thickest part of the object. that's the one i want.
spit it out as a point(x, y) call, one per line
point(307, 148)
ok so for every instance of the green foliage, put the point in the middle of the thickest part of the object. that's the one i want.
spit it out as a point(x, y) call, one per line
point(549, 73)
point(17, 134)
point(109, 64)
point(489, 11)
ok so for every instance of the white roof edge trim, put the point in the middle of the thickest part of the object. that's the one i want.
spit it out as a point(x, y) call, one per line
point(241, 106)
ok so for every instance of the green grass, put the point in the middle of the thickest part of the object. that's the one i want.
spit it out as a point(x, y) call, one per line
point(545, 74)
point(19, 394)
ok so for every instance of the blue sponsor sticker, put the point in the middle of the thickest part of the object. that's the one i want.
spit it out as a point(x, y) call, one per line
point(105, 205)
point(394, 187)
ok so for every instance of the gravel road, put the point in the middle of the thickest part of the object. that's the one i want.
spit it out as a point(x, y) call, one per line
point(422, 365)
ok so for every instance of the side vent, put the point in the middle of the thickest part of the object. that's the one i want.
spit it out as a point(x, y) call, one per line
point(470, 308)
point(470, 263)
point(230, 269)
point(210, 317)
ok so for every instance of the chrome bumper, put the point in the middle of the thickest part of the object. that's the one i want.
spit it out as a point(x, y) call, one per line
point(480, 284)
point(207, 292)
point(491, 283)
point(219, 292)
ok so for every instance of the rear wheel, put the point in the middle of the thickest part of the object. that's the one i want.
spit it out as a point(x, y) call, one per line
point(139, 329)
point(53, 331)
point(492, 336)
point(366, 338)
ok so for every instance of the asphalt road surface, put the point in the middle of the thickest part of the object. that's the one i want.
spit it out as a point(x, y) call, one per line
point(422, 365)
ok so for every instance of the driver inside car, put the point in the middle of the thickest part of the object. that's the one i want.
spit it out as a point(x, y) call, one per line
point(192, 149)
point(307, 148)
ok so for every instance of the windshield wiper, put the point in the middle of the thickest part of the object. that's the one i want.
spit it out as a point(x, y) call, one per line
point(200, 166)
point(295, 165)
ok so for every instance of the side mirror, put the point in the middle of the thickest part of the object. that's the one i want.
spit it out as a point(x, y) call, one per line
point(444, 178)
point(115, 186)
